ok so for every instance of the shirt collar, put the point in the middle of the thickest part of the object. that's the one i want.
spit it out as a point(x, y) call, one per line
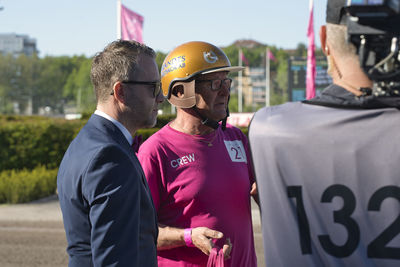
point(119, 125)
point(336, 96)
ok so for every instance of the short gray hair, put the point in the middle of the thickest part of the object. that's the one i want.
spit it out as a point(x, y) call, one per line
point(115, 63)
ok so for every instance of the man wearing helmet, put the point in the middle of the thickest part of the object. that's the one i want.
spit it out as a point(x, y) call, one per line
point(328, 168)
point(198, 168)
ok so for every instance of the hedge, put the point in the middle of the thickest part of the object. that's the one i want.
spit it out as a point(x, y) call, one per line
point(31, 143)
point(31, 149)
point(18, 186)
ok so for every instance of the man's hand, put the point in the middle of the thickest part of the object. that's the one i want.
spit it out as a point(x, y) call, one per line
point(253, 190)
point(227, 248)
point(202, 238)
point(254, 193)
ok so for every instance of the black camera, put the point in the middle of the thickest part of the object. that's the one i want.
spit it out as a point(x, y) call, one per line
point(374, 28)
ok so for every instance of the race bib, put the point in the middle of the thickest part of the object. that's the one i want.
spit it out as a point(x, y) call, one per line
point(236, 151)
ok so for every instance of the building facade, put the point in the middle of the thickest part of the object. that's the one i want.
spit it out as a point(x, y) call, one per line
point(16, 44)
point(253, 86)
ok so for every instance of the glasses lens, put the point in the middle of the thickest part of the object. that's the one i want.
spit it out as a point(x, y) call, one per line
point(216, 84)
point(157, 89)
point(227, 83)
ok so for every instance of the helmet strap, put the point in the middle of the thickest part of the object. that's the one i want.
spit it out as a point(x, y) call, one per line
point(206, 121)
point(223, 126)
point(212, 123)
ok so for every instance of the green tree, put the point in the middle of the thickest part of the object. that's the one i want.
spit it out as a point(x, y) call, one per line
point(78, 89)
point(301, 50)
point(160, 56)
point(233, 103)
point(57, 82)
point(279, 95)
point(232, 52)
point(54, 72)
point(7, 78)
point(26, 81)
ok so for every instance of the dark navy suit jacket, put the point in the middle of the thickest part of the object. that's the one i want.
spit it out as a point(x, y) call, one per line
point(108, 212)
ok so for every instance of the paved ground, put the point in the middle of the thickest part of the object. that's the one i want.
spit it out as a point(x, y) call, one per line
point(33, 235)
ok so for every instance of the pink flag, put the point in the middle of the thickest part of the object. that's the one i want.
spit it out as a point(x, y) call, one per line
point(271, 56)
point(131, 25)
point(244, 59)
point(310, 79)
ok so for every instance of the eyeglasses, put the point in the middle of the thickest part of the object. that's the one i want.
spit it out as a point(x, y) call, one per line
point(156, 86)
point(218, 84)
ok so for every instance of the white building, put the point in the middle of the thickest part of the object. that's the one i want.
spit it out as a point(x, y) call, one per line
point(253, 86)
point(11, 43)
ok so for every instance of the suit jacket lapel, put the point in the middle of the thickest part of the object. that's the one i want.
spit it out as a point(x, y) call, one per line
point(108, 128)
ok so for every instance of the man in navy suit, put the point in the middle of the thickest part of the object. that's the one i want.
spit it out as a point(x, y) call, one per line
point(107, 208)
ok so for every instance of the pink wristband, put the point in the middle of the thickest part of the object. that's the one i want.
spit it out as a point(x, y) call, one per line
point(187, 236)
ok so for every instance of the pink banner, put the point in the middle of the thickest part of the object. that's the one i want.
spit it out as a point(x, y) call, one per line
point(310, 79)
point(271, 56)
point(244, 59)
point(131, 25)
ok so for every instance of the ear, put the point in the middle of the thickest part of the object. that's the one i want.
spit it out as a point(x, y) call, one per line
point(324, 44)
point(178, 90)
point(119, 92)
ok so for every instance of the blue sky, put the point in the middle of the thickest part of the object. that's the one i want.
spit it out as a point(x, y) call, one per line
point(77, 27)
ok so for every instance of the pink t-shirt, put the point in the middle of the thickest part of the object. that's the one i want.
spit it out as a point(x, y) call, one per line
point(195, 185)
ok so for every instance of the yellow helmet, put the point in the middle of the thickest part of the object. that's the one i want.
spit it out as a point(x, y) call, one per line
point(187, 61)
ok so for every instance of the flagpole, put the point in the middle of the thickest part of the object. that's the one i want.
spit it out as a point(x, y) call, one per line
point(118, 19)
point(240, 89)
